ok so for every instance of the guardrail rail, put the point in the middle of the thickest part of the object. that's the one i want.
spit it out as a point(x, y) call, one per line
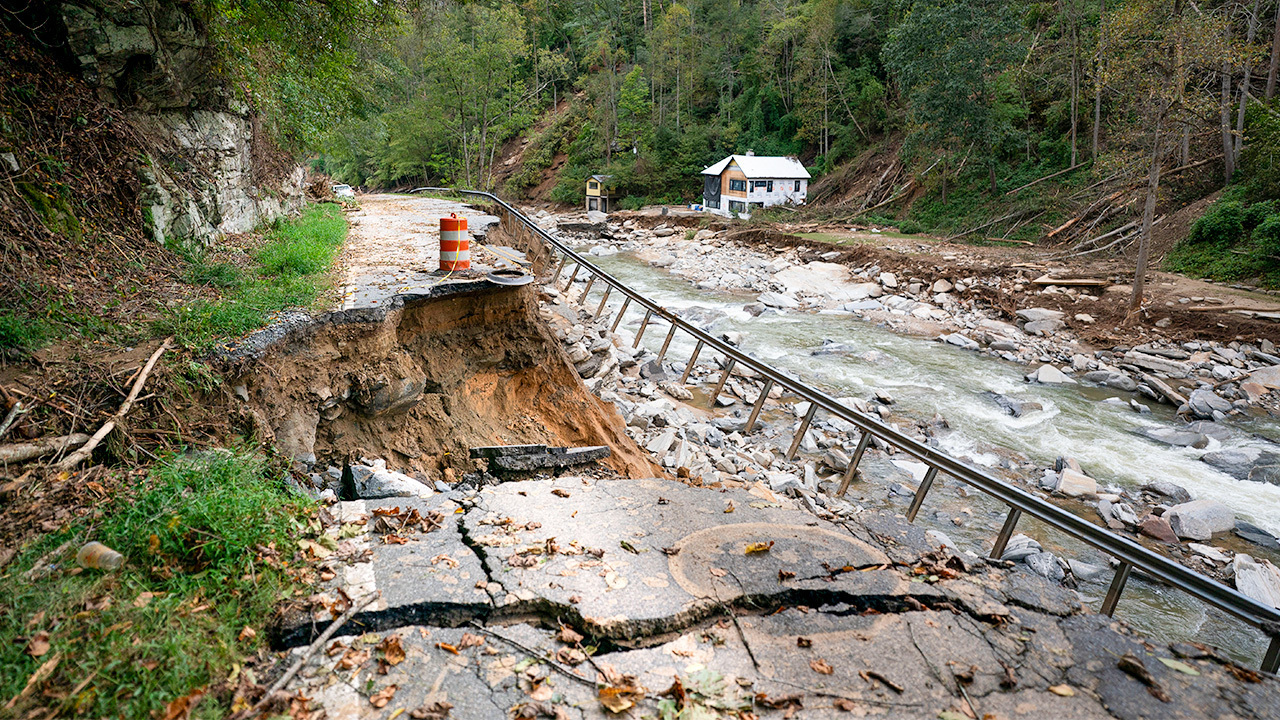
point(1130, 554)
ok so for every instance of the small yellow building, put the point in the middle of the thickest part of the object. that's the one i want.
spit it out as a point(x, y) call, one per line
point(599, 193)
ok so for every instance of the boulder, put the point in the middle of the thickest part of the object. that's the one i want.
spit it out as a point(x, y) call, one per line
point(778, 300)
point(1256, 535)
point(1088, 572)
point(1043, 327)
point(1247, 463)
point(1257, 579)
point(960, 341)
point(889, 280)
point(1037, 314)
point(1200, 519)
point(1158, 528)
point(938, 539)
point(1175, 493)
point(942, 286)
point(1204, 403)
point(1013, 406)
point(1172, 368)
point(1046, 565)
point(1209, 551)
point(1112, 379)
point(1174, 437)
point(1267, 377)
point(1050, 375)
point(1075, 484)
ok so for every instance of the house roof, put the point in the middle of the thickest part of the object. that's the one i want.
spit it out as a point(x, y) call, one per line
point(602, 178)
point(758, 166)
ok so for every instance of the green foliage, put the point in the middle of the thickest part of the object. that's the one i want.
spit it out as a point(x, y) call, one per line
point(291, 263)
point(22, 334)
point(1260, 156)
point(1233, 241)
point(1222, 225)
point(169, 621)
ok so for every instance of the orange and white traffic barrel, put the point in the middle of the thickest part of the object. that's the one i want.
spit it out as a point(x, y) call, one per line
point(455, 244)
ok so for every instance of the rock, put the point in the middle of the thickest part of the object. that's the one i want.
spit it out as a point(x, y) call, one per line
point(1253, 392)
point(1019, 548)
point(1210, 552)
point(1043, 327)
point(777, 300)
point(836, 459)
point(755, 309)
point(1257, 579)
point(960, 341)
point(296, 435)
point(675, 390)
point(1200, 519)
point(1174, 437)
point(661, 444)
point(1046, 565)
point(1013, 406)
point(1088, 572)
point(733, 338)
point(1267, 377)
point(1075, 484)
point(241, 392)
point(1158, 528)
point(939, 539)
point(889, 280)
point(1085, 318)
point(1139, 407)
point(1050, 375)
point(941, 286)
point(1256, 535)
point(1172, 368)
point(1247, 463)
point(1124, 513)
point(1113, 379)
point(376, 481)
point(1038, 314)
point(1164, 488)
point(1204, 402)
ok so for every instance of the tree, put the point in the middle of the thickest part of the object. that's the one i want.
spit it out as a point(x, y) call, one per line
point(947, 57)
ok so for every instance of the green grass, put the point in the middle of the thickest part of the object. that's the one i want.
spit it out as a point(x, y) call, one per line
point(20, 333)
point(190, 537)
point(289, 274)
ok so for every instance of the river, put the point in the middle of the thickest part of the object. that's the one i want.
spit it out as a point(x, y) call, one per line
point(927, 378)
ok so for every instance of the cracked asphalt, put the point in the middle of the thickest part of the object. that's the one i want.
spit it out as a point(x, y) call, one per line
point(567, 597)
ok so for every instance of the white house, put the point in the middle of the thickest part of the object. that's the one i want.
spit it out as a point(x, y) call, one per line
point(740, 183)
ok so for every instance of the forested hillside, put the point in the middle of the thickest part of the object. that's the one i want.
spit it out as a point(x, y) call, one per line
point(939, 107)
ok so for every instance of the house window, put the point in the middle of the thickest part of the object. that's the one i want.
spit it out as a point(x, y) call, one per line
point(713, 204)
point(736, 206)
point(592, 185)
point(737, 186)
point(797, 186)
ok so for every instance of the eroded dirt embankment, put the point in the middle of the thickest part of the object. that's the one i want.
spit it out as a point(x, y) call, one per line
point(420, 382)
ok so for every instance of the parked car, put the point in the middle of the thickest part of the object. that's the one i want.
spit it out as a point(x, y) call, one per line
point(343, 191)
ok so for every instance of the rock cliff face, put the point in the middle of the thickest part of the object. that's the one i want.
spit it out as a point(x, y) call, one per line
point(208, 172)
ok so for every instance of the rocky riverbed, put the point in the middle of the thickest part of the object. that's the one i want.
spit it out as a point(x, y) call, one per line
point(1212, 385)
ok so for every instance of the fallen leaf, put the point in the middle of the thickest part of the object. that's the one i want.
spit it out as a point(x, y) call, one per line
point(522, 561)
point(1179, 666)
point(392, 650)
point(718, 572)
point(1063, 690)
point(821, 666)
point(352, 659)
point(542, 693)
point(247, 634)
point(870, 675)
point(143, 599)
point(38, 645)
point(614, 580)
point(952, 715)
point(559, 492)
point(728, 508)
point(447, 648)
point(844, 704)
point(784, 575)
point(98, 603)
point(780, 702)
point(568, 635)
point(153, 544)
point(432, 711)
point(629, 547)
point(383, 696)
point(469, 640)
point(180, 708)
point(571, 656)
point(758, 547)
point(149, 664)
point(618, 698)
point(45, 670)
point(803, 642)
point(1132, 665)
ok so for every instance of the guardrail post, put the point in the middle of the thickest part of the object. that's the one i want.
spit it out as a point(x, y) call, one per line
point(755, 411)
point(590, 281)
point(1271, 661)
point(621, 312)
point(723, 379)
point(643, 324)
point(688, 367)
point(1006, 532)
point(666, 344)
point(918, 500)
point(1117, 587)
point(573, 276)
point(603, 300)
point(559, 269)
point(804, 427)
point(863, 442)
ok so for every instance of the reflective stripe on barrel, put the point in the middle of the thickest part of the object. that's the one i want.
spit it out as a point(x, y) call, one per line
point(455, 244)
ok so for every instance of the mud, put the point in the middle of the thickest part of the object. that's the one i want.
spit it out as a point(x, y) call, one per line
point(420, 382)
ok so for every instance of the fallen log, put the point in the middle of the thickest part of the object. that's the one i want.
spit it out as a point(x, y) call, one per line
point(1046, 177)
point(79, 456)
point(1072, 282)
point(21, 452)
point(1163, 388)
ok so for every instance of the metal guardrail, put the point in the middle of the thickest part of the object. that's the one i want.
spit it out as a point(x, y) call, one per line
point(1130, 554)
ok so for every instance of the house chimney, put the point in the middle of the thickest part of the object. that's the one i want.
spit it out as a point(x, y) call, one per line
point(751, 153)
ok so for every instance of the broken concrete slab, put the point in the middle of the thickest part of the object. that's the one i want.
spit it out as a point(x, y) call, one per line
point(668, 555)
point(522, 458)
point(424, 576)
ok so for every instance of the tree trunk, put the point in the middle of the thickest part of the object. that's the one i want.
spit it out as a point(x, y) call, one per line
point(1075, 93)
point(1148, 214)
point(1224, 111)
point(1244, 87)
point(1097, 83)
point(1275, 59)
